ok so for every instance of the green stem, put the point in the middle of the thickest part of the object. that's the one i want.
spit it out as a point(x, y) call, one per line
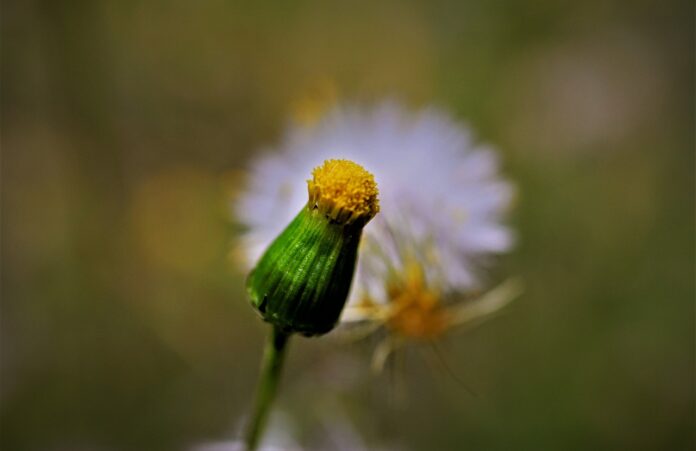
point(271, 368)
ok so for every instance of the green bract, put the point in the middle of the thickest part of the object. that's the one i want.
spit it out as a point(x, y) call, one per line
point(302, 281)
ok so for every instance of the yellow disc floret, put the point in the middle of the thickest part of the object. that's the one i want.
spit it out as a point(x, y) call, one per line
point(416, 308)
point(344, 191)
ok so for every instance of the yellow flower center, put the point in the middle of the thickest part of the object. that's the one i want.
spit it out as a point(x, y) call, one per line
point(344, 191)
point(416, 311)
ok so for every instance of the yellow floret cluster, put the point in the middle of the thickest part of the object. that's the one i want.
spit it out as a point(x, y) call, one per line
point(344, 191)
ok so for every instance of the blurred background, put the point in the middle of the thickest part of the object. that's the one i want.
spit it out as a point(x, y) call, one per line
point(126, 125)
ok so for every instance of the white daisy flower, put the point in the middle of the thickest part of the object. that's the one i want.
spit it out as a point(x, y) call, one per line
point(442, 202)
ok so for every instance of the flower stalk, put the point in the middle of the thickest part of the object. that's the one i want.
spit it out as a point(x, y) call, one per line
point(301, 283)
point(271, 368)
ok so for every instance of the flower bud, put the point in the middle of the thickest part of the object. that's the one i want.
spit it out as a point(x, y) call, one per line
point(302, 281)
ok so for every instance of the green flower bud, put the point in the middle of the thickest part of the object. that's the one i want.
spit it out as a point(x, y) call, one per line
point(302, 281)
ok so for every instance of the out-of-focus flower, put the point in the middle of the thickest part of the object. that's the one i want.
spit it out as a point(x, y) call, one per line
point(239, 445)
point(335, 432)
point(279, 437)
point(442, 200)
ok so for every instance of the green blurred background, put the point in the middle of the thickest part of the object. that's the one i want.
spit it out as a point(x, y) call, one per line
point(125, 125)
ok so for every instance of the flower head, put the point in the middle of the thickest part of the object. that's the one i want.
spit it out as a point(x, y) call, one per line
point(442, 205)
point(301, 282)
point(343, 191)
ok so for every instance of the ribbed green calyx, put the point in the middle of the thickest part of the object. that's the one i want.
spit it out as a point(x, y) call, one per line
point(302, 281)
